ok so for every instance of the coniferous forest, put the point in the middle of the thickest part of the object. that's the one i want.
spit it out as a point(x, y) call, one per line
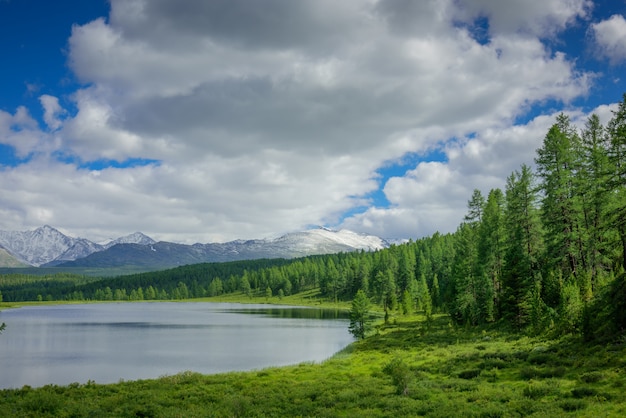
point(545, 253)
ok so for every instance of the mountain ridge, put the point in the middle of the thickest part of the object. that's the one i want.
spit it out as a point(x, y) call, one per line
point(48, 247)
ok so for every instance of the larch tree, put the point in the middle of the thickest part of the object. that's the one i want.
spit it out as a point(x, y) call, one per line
point(491, 241)
point(557, 166)
point(521, 274)
point(617, 156)
point(595, 196)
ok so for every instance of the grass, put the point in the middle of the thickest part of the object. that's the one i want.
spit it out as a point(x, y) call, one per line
point(310, 298)
point(408, 367)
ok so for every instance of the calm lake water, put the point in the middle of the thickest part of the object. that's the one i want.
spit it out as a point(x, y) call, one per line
point(110, 342)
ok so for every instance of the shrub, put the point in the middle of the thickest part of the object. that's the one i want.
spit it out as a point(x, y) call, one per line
point(591, 377)
point(401, 375)
point(583, 392)
point(538, 390)
point(495, 363)
point(541, 358)
point(572, 405)
point(469, 374)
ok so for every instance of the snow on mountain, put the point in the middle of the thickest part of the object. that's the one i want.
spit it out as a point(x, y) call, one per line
point(46, 246)
point(324, 240)
point(134, 238)
point(39, 246)
point(351, 239)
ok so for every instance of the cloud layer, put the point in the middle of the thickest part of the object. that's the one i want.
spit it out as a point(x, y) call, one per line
point(264, 117)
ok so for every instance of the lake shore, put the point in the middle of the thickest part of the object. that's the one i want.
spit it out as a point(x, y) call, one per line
point(408, 367)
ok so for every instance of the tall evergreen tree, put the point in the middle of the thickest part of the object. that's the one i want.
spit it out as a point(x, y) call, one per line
point(464, 306)
point(521, 264)
point(359, 315)
point(617, 156)
point(491, 253)
point(593, 181)
point(557, 166)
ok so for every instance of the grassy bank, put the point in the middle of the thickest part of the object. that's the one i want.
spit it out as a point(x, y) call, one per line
point(408, 368)
point(311, 298)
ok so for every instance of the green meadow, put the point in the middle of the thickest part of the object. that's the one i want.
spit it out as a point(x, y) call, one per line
point(407, 367)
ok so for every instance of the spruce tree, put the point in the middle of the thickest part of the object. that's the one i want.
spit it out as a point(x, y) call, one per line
point(359, 315)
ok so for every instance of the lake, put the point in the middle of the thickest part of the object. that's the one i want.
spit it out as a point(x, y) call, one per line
point(109, 342)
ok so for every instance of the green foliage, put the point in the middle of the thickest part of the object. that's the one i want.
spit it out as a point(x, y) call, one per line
point(360, 320)
point(396, 372)
point(401, 375)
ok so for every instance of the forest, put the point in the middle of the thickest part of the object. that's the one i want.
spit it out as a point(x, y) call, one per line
point(547, 253)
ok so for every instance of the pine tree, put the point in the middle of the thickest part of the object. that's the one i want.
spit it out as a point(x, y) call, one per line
point(521, 266)
point(557, 166)
point(491, 243)
point(594, 178)
point(467, 274)
point(436, 294)
point(617, 181)
point(359, 315)
point(424, 298)
point(464, 306)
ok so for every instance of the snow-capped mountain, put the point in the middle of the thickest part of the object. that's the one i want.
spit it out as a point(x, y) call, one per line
point(47, 246)
point(167, 254)
point(43, 245)
point(134, 238)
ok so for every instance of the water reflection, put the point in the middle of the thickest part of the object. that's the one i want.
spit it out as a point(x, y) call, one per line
point(294, 312)
point(108, 342)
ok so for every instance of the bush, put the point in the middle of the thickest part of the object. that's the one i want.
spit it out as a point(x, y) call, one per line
point(583, 392)
point(538, 390)
point(469, 374)
point(401, 375)
point(591, 377)
point(541, 358)
point(572, 405)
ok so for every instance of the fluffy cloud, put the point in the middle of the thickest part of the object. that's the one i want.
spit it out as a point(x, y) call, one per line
point(610, 37)
point(52, 111)
point(21, 132)
point(269, 116)
point(433, 196)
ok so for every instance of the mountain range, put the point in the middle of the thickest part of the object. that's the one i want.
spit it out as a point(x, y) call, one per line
point(48, 247)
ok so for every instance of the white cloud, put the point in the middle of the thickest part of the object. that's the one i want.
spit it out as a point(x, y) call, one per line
point(267, 118)
point(20, 131)
point(539, 18)
point(610, 37)
point(52, 111)
point(433, 196)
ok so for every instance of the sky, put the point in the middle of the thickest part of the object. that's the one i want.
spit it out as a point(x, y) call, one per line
point(195, 121)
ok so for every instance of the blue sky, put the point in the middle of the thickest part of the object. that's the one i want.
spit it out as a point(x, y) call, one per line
point(208, 121)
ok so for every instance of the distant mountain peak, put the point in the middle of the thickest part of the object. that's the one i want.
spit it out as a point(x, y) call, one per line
point(47, 246)
point(134, 238)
